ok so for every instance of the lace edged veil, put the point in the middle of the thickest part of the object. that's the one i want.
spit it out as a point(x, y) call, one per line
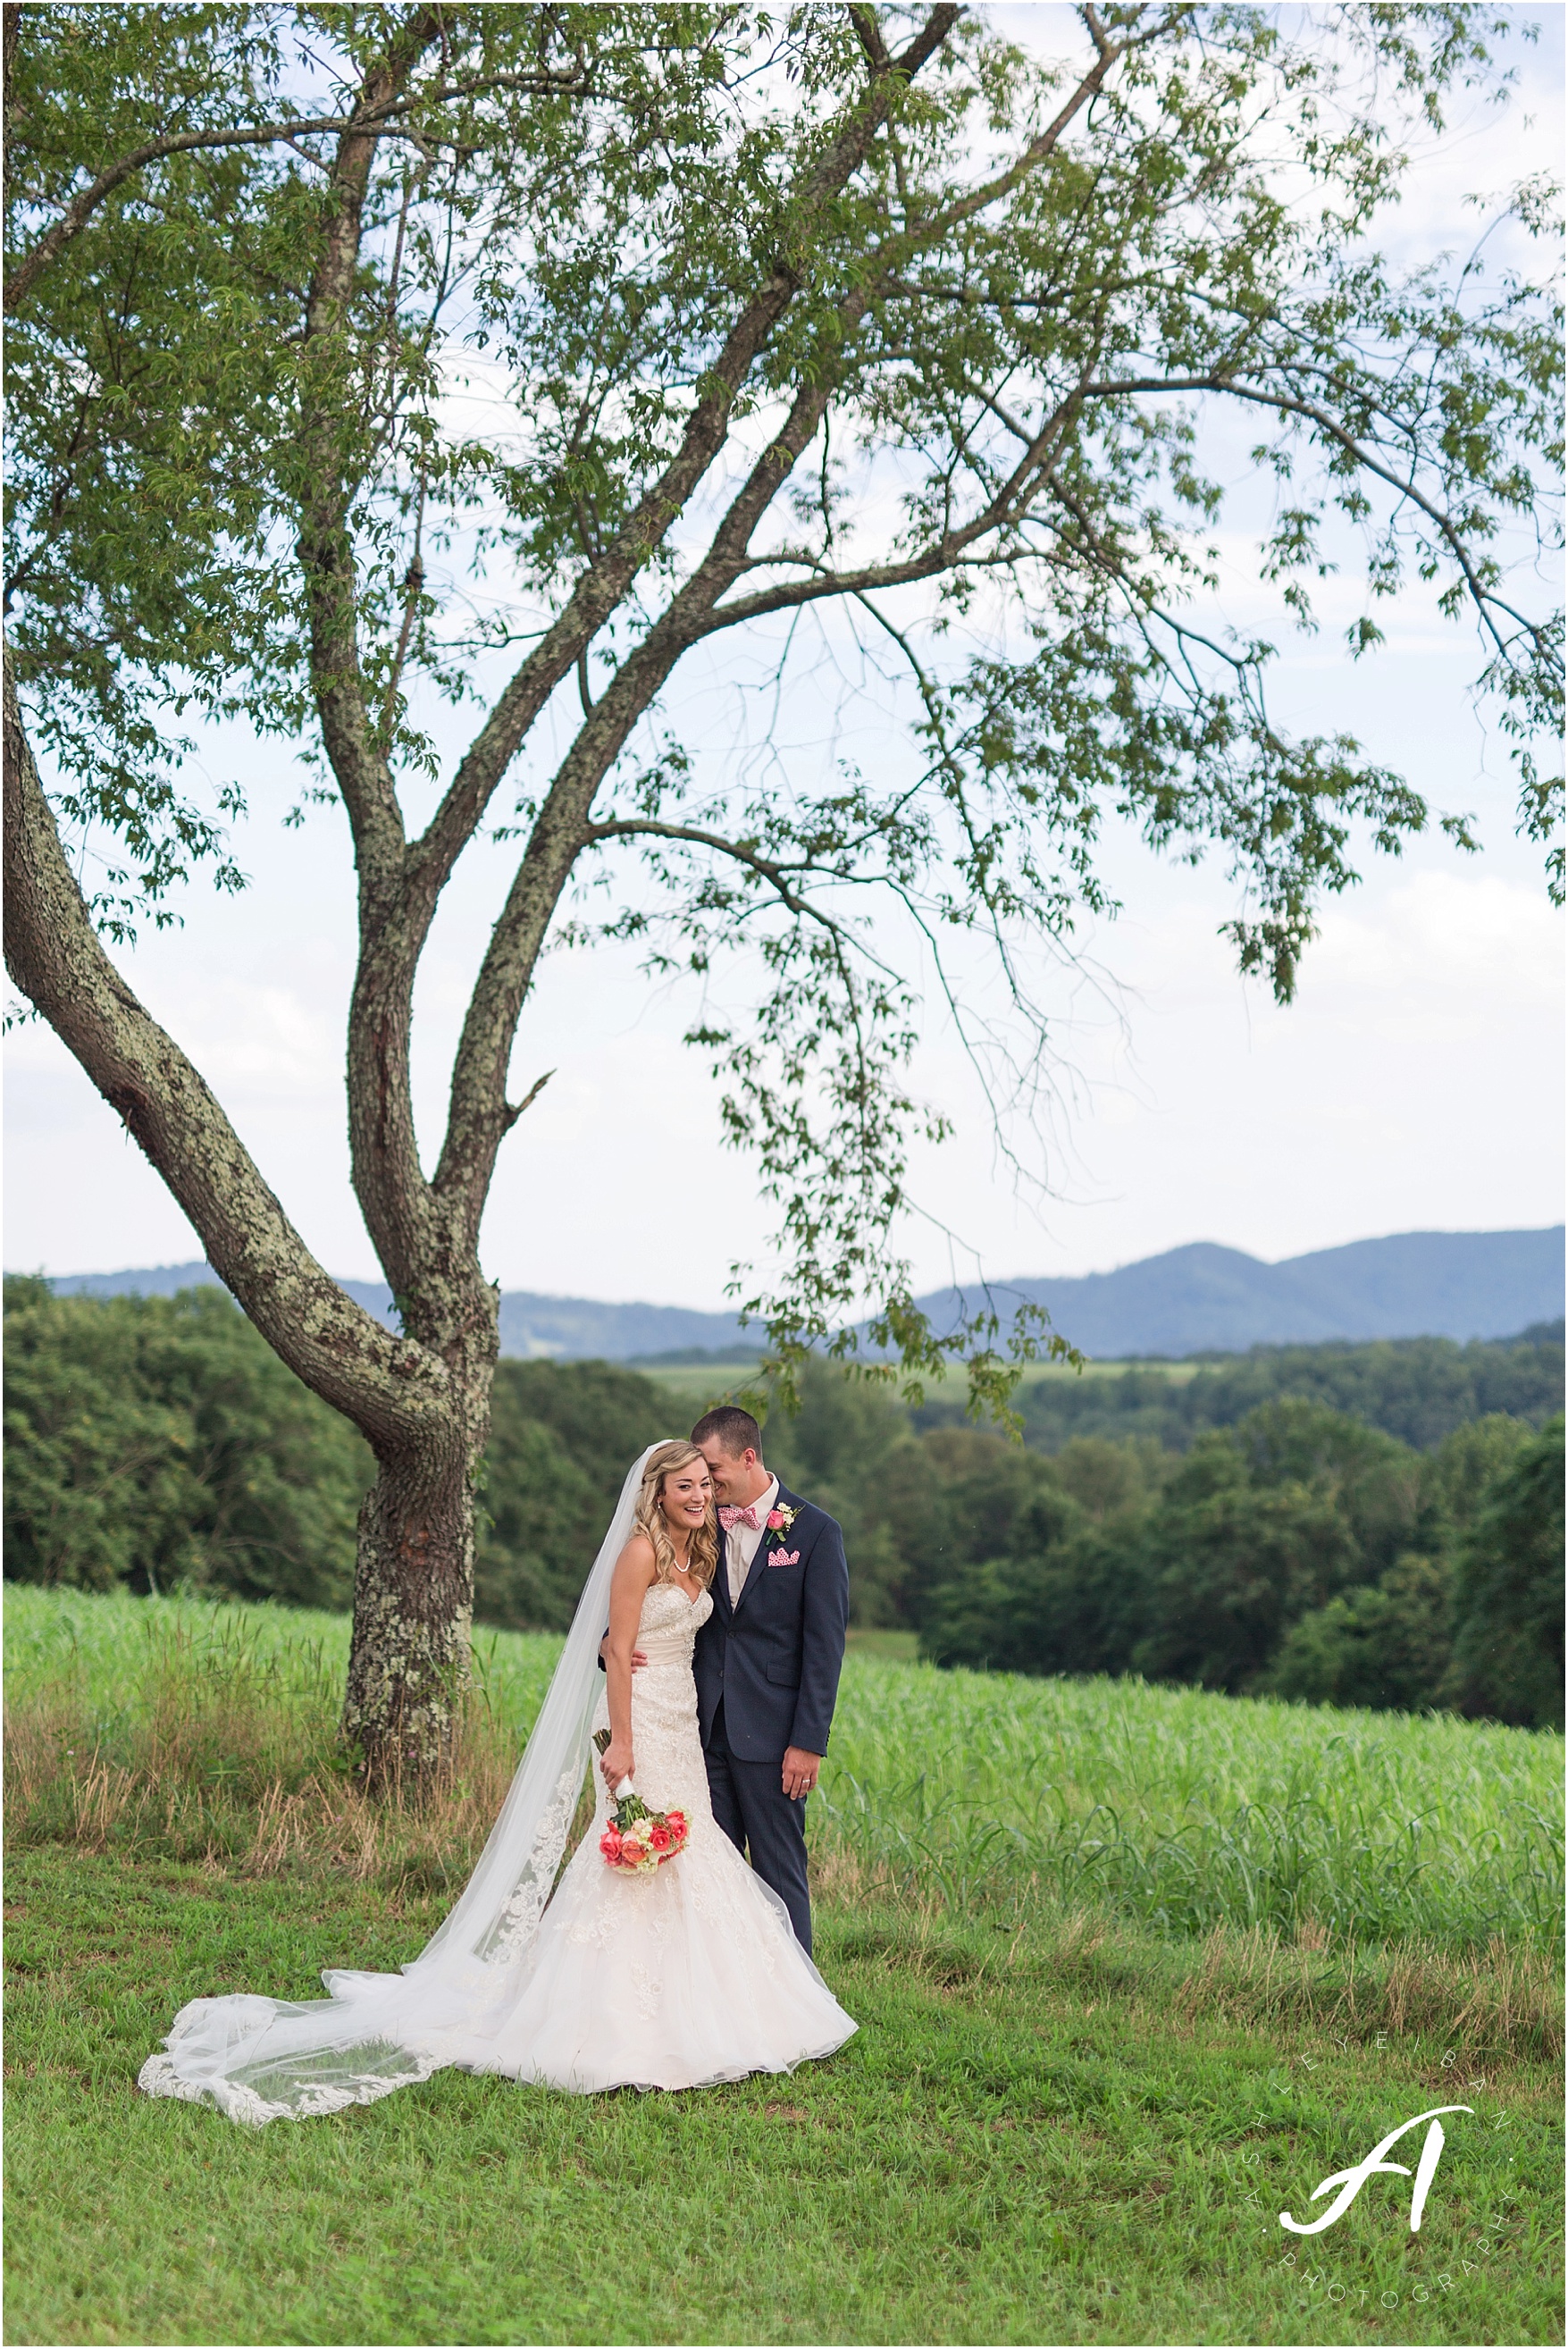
point(260, 2059)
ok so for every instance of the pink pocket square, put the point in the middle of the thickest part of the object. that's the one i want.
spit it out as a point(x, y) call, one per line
point(784, 1558)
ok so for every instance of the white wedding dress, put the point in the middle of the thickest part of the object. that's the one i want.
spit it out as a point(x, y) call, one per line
point(677, 1980)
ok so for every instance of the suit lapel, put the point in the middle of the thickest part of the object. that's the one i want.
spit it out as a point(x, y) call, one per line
point(719, 1586)
point(759, 1567)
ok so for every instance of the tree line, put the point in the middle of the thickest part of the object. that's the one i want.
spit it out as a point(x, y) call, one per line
point(1418, 1389)
point(1297, 1550)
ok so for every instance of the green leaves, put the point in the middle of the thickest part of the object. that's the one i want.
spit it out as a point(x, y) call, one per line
point(670, 326)
point(1508, 1592)
point(157, 1441)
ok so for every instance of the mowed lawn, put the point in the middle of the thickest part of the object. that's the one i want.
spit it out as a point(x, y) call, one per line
point(1073, 2111)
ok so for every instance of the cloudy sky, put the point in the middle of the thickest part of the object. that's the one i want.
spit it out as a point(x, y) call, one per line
point(1416, 1083)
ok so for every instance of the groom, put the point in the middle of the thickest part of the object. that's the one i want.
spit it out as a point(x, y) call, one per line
point(768, 1658)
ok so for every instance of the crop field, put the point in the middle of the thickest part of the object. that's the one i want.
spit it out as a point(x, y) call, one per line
point(1135, 1968)
point(1170, 1806)
point(693, 1387)
point(1187, 1811)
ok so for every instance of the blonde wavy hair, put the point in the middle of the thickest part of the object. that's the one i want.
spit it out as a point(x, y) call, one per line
point(650, 1519)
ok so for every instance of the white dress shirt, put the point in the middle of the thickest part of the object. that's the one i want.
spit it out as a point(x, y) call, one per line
point(741, 1542)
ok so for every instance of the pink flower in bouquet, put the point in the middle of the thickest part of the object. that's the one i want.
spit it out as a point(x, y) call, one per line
point(638, 1839)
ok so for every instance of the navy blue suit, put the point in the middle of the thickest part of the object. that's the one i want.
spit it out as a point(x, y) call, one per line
point(767, 1678)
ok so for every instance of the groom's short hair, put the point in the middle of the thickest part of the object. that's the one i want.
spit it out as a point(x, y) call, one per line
point(733, 1428)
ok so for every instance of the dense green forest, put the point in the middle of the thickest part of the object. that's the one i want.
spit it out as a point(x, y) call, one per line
point(159, 1442)
point(1374, 1524)
point(1418, 1389)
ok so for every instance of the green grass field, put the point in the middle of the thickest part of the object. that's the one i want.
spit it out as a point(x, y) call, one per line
point(1134, 1968)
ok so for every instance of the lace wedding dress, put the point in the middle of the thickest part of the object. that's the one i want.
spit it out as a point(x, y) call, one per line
point(677, 1980)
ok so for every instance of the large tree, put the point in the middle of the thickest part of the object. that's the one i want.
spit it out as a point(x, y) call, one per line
point(854, 314)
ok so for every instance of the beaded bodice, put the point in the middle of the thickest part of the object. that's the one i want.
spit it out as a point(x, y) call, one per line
point(669, 1764)
point(669, 1623)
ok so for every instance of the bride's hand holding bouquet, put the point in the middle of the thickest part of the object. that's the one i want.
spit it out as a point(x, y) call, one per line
point(636, 1839)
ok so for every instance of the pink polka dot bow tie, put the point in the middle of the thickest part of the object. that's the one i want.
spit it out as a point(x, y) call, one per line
point(729, 1517)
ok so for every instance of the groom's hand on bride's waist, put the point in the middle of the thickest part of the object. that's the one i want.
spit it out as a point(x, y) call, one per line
point(638, 1659)
point(801, 1770)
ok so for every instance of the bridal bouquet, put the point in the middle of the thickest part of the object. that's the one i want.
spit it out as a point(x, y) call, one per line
point(636, 1838)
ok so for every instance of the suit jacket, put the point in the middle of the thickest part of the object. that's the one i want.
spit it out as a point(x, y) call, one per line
point(774, 1660)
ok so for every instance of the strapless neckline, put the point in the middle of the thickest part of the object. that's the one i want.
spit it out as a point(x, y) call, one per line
point(658, 1618)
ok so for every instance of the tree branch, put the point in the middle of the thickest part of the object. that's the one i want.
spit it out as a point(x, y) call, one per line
point(604, 582)
point(766, 868)
point(479, 1078)
point(389, 1388)
point(476, 1116)
point(325, 548)
point(388, 1180)
point(1285, 404)
point(520, 1109)
point(1031, 474)
point(378, 122)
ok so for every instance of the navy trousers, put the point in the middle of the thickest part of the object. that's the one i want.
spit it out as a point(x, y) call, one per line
point(751, 1806)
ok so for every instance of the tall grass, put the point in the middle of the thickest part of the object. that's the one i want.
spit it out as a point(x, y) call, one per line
point(1188, 1811)
point(208, 1733)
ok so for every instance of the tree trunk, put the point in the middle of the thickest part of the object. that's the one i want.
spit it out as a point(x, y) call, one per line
point(413, 1611)
point(421, 1400)
point(414, 1577)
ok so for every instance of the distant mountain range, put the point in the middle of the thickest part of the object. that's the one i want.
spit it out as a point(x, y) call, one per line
point(1209, 1300)
point(566, 1329)
point(1190, 1300)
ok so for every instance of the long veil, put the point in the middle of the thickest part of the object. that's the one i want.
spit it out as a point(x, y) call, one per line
point(262, 2059)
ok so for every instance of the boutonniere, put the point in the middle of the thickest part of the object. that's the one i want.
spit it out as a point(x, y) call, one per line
point(780, 1521)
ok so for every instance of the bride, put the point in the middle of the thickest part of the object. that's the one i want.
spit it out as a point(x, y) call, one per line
point(674, 1980)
